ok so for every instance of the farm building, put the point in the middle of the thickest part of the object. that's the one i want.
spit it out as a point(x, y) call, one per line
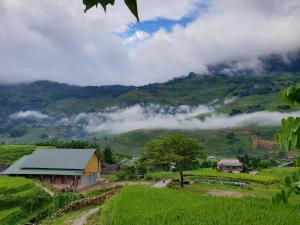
point(230, 165)
point(74, 168)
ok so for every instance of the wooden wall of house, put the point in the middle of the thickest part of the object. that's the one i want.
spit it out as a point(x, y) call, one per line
point(94, 165)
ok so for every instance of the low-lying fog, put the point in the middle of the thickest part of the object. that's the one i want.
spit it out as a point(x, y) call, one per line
point(120, 120)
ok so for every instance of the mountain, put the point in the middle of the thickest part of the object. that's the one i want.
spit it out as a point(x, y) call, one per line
point(194, 89)
point(45, 110)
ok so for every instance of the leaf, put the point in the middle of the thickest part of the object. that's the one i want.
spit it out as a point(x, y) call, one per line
point(291, 95)
point(91, 3)
point(132, 5)
point(289, 135)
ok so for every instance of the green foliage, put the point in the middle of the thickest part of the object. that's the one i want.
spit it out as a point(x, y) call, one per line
point(77, 144)
point(11, 153)
point(280, 197)
point(20, 199)
point(265, 176)
point(127, 173)
point(173, 148)
point(178, 150)
point(108, 155)
point(287, 180)
point(61, 199)
point(291, 95)
point(131, 4)
point(289, 135)
point(138, 205)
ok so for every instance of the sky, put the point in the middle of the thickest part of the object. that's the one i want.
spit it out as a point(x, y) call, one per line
point(55, 40)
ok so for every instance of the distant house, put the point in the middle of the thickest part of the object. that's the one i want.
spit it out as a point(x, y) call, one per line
point(230, 165)
point(74, 168)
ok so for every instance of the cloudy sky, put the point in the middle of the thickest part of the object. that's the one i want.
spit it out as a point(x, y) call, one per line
point(55, 40)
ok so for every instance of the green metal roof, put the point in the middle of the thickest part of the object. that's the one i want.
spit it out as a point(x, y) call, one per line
point(52, 162)
point(74, 159)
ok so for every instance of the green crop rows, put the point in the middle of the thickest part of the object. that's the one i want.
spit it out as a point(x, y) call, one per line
point(137, 205)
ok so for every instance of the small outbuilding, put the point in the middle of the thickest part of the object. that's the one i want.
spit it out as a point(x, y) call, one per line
point(230, 165)
point(73, 168)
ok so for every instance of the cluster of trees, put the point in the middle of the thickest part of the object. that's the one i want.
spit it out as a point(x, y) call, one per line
point(250, 163)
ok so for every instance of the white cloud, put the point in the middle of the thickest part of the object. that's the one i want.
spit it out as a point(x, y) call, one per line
point(29, 115)
point(164, 117)
point(120, 120)
point(137, 37)
point(55, 40)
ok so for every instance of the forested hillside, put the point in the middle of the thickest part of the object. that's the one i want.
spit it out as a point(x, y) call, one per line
point(44, 110)
point(59, 99)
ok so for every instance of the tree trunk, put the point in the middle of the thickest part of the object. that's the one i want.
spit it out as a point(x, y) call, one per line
point(181, 179)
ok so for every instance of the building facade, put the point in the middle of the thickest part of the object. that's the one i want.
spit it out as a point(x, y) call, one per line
point(230, 165)
point(72, 168)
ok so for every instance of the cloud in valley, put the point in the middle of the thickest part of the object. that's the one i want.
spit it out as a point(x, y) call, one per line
point(55, 40)
point(136, 117)
point(121, 120)
point(29, 115)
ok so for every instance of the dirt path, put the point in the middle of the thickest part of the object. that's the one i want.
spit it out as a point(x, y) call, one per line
point(101, 186)
point(51, 193)
point(222, 193)
point(84, 216)
point(162, 184)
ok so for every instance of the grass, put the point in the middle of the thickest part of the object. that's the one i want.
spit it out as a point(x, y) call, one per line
point(7, 214)
point(265, 176)
point(136, 205)
point(11, 153)
point(20, 200)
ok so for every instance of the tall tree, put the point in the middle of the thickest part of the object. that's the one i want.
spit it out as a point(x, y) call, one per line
point(177, 150)
point(108, 155)
point(131, 4)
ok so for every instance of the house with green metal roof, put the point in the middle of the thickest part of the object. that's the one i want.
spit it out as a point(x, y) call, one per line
point(74, 168)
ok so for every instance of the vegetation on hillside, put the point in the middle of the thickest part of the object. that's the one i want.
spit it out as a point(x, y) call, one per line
point(11, 153)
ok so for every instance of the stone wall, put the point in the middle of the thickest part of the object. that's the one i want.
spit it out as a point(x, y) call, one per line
point(86, 202)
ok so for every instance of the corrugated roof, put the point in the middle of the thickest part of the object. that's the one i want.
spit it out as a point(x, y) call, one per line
point(52, 162)
point(70, 159)
point(16, 168)
point(230, 162)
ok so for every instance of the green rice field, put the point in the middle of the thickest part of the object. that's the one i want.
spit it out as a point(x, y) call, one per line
point(266, 176)
point(11, 153)
point(138, 205)
point(20, 200)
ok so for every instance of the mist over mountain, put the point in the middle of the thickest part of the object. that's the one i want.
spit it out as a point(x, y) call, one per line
point(202, 105)
point(271, 64)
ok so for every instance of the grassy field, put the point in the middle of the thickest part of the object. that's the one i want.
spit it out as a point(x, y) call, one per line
point(266, 176)
point(11, 153)
point(20, 200)
point(138, 205)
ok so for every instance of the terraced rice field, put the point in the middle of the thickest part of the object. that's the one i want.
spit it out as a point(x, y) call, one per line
point(11, 153)
point(20, 199)
point(138, 205)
